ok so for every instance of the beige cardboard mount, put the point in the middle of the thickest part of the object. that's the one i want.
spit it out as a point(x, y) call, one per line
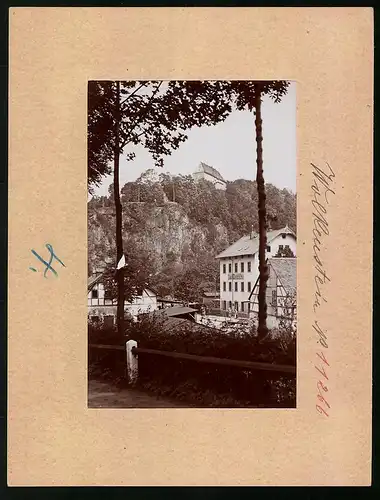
point(53, 438)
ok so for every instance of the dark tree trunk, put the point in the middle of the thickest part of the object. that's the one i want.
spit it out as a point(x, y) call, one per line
point(263, 267)
point(119, 220)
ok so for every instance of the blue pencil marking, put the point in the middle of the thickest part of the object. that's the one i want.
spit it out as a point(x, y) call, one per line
point(48, 266)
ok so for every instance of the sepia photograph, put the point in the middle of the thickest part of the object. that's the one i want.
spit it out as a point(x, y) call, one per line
point(192, 244)
point(208, 210)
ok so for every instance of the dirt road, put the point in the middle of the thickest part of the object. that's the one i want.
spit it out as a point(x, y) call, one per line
point(105, 395)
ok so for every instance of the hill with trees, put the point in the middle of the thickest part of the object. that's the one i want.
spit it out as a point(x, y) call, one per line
point(173, 227)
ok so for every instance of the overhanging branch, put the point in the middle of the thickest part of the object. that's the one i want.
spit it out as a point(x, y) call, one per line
point(145, 112)
point(133, 93)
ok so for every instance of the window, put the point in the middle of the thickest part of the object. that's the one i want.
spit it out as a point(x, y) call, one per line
point(236, 286)
point(236, 306)
point(249, 266)
point(224, 286)
point(281, 247)
point(108, 321)
point(242, 267)
point(229, 286)
point(242, 286)
point(249, 286)
point(94, 294)
point(95, 319)
point(224, 268)
point(236, 267)
point(287, 247)
point(283, 235)
point(229, 304)
point(107, 294)
point(242, 307)
point(230, 268)
point(274, 298)
point(268, 248)
point(249, 306)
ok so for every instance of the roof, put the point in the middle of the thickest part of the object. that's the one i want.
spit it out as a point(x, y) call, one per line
point(172, 324)
point(211, 171)
point(177, 311)
point(248, 245)
point(286, 271)
point(93, 280)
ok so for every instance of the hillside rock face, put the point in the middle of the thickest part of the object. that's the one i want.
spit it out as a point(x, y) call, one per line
point(173, 239)
point(165, 233)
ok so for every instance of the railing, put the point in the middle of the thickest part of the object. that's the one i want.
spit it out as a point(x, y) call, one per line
point(252, 365)
point(132, 352)
point(104, 346)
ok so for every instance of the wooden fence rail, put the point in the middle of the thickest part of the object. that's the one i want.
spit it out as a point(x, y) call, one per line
point(103, 346)
point(252, 365)
point(132, 352)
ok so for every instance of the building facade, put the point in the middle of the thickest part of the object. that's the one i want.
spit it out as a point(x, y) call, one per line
point(103, 308)
point(208, 173)
point(239, 266)
point(281, 295)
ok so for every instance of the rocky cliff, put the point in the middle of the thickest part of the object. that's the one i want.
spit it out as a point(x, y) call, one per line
point(174, 237)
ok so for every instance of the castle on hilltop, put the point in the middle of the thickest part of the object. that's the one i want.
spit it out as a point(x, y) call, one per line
point(207, 173)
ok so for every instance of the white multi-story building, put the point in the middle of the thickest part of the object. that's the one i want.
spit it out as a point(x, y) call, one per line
point(207, 173)
point(239, 266)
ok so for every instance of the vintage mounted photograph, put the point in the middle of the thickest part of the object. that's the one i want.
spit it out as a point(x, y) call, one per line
point(192, 244)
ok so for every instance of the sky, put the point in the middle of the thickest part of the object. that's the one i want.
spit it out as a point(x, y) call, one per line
point(230, 147)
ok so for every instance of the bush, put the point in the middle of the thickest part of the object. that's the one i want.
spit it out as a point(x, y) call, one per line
point(208, 384)
point(108, 364)
point(193, 382)
point(99, 334)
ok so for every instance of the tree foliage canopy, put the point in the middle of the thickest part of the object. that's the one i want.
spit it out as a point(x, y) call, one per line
point(158, 115)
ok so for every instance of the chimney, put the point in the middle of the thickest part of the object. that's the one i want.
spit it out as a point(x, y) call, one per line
point(252, 234)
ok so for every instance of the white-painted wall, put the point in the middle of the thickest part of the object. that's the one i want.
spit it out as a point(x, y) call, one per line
point(144, 304)
point(248, 277)
point(105, 307)
point(197, 176)
point(237, 279)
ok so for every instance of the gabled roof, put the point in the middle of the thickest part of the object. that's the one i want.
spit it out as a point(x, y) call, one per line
point(93, 280)
point(285, 269)
point(173, 324)
point(177, 311)
point(207, 169)
point(248, 245)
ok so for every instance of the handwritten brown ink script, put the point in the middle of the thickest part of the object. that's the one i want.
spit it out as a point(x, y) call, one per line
point(322, 192)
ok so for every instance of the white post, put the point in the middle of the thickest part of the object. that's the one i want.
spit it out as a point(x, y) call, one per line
point(132, 363)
